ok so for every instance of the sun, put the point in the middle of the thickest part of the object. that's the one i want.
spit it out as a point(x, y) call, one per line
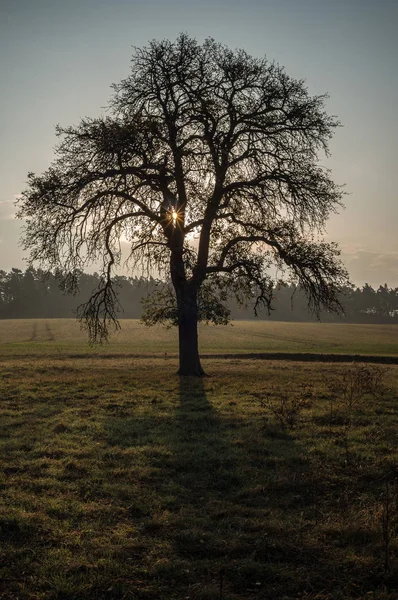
point(174, 217)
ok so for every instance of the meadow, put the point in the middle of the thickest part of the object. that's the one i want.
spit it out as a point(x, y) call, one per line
point(268, 479)
point(64, 337)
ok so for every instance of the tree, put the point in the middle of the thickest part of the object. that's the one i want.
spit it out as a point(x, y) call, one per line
point(207, 164)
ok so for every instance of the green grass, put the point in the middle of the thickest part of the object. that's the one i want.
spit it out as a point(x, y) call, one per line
point(60, 337)
point(120, 481)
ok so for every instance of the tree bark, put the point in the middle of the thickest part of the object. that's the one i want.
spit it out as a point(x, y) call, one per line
point(188, 332)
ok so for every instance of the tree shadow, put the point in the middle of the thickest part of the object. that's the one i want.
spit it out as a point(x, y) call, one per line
point(204, 460)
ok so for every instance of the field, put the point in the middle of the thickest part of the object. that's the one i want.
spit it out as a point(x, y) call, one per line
point(63, 337)
point(269, 479)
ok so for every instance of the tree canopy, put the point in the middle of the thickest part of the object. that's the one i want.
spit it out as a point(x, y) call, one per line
point(207, 164)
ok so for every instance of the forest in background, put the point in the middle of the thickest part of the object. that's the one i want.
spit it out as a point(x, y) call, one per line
point(37, 294)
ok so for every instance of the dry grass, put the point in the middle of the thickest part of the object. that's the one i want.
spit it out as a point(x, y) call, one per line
point(120, 481)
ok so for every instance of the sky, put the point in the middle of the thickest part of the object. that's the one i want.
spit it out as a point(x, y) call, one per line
point(59, 58)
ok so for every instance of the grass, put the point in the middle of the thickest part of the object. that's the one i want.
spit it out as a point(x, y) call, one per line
point(58, 337)
point(120, 481)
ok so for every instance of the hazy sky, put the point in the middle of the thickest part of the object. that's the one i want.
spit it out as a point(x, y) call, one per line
point(59, 57)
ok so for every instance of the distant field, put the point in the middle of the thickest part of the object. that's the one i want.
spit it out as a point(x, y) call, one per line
point(64, 337)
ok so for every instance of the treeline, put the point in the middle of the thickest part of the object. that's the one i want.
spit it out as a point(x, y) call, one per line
point(36, 294)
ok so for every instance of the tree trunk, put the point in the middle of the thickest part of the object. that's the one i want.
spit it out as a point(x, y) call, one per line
point(188, 332)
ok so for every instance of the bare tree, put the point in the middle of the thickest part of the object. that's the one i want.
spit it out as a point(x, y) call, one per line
point(207, 164)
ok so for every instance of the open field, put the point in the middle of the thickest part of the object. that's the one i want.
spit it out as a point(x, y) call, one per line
point(120, 481)
point(60, 337)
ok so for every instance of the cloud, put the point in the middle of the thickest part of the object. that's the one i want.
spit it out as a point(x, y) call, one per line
point(11, 253)
point(367, 266)
point(7, 210)
point(7, 207)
